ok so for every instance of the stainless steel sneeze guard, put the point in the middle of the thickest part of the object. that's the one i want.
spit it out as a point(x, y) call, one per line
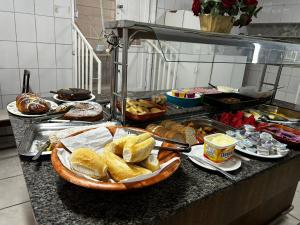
point(202, 48)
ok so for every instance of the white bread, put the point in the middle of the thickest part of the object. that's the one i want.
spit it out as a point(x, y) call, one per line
point(117, 146)
point(120, 170)
point(88, 162)
point(137, 151)
point(151, 163)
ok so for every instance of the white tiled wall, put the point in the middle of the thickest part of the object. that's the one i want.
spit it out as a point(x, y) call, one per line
point(275, 11)
point(289, 81)
point(35, 35)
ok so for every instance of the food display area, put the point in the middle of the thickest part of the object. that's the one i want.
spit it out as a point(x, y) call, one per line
point(180, 156)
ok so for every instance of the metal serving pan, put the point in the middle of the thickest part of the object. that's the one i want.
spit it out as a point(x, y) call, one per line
point(40, 132)
point(290, 115)
point(207, 122)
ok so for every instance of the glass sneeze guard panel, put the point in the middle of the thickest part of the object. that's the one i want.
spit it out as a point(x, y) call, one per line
point(187, 45)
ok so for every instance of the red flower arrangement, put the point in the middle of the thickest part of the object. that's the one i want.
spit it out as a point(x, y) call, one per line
point(241, 10)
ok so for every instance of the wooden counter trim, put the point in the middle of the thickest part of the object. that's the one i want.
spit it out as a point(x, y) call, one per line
point(257, 200)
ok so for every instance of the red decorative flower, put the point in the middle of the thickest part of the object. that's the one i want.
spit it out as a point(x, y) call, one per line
point(250, 2)
point(228, 3)
point(196, 8)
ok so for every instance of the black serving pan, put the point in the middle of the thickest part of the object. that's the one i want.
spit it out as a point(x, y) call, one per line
point(245, 101)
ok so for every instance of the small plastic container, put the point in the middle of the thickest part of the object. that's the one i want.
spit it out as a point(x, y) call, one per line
point(219, 147)
point(184, 102)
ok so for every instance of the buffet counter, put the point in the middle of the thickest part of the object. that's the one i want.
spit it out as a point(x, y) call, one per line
point(192, 195)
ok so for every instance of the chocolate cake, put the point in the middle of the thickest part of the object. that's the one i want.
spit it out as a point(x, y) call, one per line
point(73, 94)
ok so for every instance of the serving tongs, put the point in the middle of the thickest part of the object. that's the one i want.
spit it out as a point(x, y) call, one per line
point(180, 146)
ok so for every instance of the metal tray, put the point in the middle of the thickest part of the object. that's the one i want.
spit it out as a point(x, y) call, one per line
point(245, 101)
point(202, 121)
point(290, 115)
point(207, 122)
point(39, 132)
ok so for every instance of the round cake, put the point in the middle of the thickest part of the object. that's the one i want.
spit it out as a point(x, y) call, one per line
point(85, 111)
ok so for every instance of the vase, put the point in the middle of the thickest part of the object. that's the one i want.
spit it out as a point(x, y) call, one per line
point(219, 24)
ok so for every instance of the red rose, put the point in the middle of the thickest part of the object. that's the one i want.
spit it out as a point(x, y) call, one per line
point(196, 8)
point(250, 2)
point(228, 3)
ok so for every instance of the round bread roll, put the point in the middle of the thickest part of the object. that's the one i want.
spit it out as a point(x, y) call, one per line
point(87, 162)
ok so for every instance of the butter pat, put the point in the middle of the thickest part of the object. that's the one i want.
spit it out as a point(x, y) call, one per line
point(219, 147)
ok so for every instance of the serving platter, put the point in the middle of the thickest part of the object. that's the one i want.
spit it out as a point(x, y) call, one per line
point(12, 108)
point(230, 165)
point(66, 101)
point(146, 116)
point(292, 144)
point(70, 176)
point(259, 155)
point(40, 132)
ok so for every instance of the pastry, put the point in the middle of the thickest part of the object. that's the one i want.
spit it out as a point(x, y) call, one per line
point(88, 162)
point(89, 111)
point(120, 170)
point(30, 103)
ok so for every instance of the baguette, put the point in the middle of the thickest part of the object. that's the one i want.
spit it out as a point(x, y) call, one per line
point(120, 170)
point(88, 162)
point(137, 151)
point(117, 146)
point(150, 163)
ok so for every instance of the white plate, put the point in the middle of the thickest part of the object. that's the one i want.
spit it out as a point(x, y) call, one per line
point(12, 108)
point(260, 156)
point(87, 100)
point(230, 165)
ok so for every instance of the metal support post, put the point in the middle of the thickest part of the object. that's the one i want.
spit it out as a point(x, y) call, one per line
point(277, 82)
point(114, 83)
point(262, 79)
point(124, 74)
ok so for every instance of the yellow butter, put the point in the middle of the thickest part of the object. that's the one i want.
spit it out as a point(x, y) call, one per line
point(219, 147)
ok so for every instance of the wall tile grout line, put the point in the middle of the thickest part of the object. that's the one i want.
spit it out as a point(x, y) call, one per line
point(40, 42)
point(14, 205)
point(11, 177)
point(294, 217)
point(35, 14)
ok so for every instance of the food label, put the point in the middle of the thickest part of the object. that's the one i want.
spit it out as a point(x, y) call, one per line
point(217, 155)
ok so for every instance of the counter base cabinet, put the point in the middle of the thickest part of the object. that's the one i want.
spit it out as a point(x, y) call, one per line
point(257, 200)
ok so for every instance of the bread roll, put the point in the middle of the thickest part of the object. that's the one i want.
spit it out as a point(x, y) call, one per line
point(117, 146)
point(150, 127)
point(138, 151)
point(151, 163)
point(175, 136)
point(120, 170)
point(160, 131)
point(88, 162)
point(168, 123)
point(189, 133)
